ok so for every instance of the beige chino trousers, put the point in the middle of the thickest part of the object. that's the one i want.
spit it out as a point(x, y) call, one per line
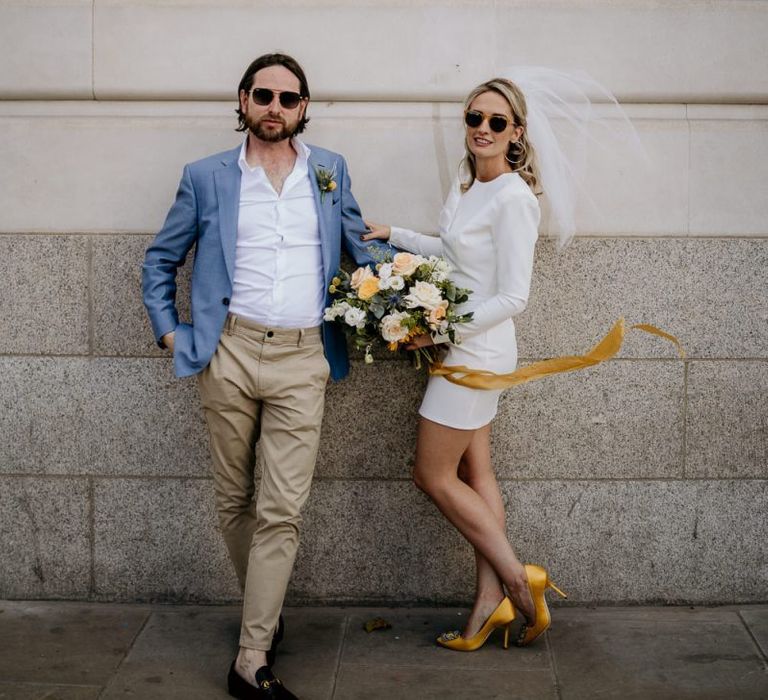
point(264, 385)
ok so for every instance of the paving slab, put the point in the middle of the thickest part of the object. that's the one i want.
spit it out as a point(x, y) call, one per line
point(308, 657)
point(385, 682)
point(756, 619)
point(181, 653)
point(186, 653)
point(656, 653)
point(411, 641)
point(44, 691)
point(64, 644)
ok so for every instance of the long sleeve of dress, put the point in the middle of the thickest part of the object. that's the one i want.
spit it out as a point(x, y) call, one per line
point(514, 230)
point(415, 242)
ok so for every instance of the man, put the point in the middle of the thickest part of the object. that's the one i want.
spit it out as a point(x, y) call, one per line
point(268, 220)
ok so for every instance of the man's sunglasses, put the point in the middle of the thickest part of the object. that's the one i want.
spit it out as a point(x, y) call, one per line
point(497, 122)
point(264, 97)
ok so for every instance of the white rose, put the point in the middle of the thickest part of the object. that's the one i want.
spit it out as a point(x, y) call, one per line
point(396, 282)
point(333, 312)
point(385, 270)
point(391, 326)
point(355, 317)
point(425, 295)
point(441, 270)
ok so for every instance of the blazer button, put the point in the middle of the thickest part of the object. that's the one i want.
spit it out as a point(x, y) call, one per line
point(225, 301)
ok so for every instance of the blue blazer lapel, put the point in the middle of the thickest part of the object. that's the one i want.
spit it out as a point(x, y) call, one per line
point(328, 237)
point(227, 181)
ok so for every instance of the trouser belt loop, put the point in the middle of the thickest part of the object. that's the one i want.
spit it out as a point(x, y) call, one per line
point(230, 323)
point(301, 338)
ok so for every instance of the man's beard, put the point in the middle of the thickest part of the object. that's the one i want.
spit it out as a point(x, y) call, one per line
point(270, 135)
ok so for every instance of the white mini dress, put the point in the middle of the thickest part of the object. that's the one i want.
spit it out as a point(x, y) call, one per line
point(488, 235)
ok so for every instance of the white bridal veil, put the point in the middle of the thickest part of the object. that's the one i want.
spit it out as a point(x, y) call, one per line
point(570, 115)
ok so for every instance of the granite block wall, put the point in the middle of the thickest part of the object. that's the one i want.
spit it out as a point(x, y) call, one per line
point(643, 480)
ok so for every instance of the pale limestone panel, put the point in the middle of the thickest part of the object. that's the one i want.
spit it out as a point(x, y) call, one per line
point(711, 294)
point(44, 538)
point(727, 422)
point(644, 541)
point(643, 50)
point(120, 322)
point(619, 420)
point(157, 540)
point(111, 174)
point(123, 162)
point(436, 46)
point(631, 190)
point(729, 168)
point(44, 285)
point(47, 49)
point(346, 49)
point(105, 415)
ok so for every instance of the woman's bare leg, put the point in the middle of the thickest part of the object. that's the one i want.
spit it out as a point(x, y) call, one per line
point(439, 450)
point(475, 470)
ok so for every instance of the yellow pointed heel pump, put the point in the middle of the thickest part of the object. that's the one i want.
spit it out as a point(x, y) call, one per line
point(501, 617)
point(538, 582)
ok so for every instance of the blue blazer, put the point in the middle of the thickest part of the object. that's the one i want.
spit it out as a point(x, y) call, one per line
point(205, 215)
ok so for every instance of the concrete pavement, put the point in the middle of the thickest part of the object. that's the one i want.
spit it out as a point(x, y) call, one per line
point(85, 651)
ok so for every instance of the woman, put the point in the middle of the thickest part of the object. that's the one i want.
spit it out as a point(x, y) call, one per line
point(488, 231)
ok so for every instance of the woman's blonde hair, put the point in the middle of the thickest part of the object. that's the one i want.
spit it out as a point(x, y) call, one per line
point(520, 155)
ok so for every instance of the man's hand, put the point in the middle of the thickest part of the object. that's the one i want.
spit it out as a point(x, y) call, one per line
point(168, 339)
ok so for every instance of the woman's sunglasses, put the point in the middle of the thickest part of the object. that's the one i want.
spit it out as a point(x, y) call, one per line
point(264, 97)
point(497, 122)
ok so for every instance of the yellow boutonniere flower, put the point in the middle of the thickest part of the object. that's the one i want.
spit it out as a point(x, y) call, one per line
point(325, 180)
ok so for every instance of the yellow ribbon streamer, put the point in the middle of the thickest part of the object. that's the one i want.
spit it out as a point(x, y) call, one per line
point(604, 350)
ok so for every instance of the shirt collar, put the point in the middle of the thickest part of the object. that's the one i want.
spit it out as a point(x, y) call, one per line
point(302, 154)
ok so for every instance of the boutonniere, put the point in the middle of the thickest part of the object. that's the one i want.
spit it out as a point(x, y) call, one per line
point(325, 180)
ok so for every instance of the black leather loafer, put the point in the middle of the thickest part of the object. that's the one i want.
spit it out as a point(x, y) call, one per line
point(268, 687)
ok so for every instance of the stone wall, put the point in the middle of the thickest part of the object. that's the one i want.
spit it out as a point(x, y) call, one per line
point(645, 479)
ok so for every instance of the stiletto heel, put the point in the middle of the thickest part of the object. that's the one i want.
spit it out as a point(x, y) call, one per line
point(538, 582)
point(556, 589)
point(501, 617)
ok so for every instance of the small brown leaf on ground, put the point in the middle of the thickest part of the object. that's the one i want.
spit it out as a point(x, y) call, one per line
point(378, 623)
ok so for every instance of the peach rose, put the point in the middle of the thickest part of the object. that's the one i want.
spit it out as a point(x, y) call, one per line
point(359, 276)
point(406, 263)
point(437, 314)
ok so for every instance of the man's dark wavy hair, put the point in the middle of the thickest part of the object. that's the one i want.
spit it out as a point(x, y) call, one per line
point(265, 61)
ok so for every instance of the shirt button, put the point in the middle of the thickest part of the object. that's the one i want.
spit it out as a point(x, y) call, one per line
point(225, 301)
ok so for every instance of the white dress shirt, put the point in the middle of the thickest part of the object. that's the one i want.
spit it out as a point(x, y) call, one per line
point(278, 278)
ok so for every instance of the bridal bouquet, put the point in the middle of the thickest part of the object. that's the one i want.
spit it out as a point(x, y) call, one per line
point(406, 296)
